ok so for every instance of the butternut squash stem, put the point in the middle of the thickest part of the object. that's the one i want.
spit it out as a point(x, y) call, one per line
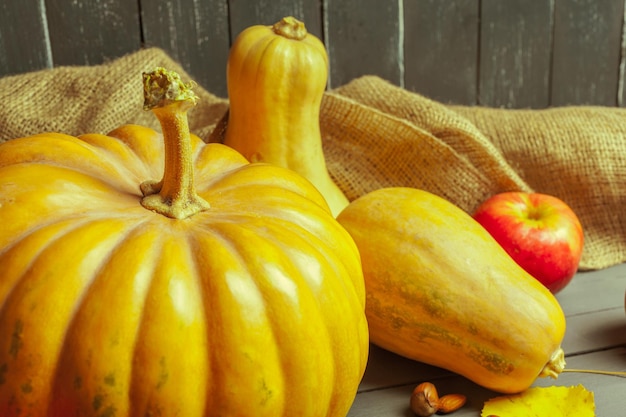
point(290, 28)
point(556, 365)
point(169, 99)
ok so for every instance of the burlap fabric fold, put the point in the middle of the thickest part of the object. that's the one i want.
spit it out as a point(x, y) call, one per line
point(378, 135)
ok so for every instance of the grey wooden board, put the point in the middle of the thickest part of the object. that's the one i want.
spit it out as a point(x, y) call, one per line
point(193, 32)
point(24, 43)
point(586, 56)
point(595, 339)
point(363, 38)
point(441, 49)
point(608, 390)
point(244, 13)
point(515, 54)
point(92, 32)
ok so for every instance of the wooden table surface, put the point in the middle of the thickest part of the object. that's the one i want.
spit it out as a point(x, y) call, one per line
point(595, 338)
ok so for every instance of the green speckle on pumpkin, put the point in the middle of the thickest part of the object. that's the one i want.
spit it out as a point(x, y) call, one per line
point(266, 393)
point(473, 329)
point(110, 380)
point(16, 338)
point(108, 412)
point(26, 387)
point(99, 406)
point(97, 402)
point(163, 375)
point(3, 371)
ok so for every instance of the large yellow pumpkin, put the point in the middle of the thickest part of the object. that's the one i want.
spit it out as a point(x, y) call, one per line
point(236, 294)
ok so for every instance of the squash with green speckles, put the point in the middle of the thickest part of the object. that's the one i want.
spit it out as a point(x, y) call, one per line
point(442, 291)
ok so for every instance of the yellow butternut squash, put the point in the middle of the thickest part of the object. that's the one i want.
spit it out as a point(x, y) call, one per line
point(276, 78)
point(442, 291)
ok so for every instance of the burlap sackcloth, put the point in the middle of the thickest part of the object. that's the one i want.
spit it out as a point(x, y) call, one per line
point(378, 135)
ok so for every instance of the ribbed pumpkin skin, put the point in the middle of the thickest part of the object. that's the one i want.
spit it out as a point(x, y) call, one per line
point(275, 87)
point(441, 290)
point(252, 308)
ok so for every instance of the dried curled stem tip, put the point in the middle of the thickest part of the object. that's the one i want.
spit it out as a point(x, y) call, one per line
point(555, 365)
point(290, 28)
point(162, 87)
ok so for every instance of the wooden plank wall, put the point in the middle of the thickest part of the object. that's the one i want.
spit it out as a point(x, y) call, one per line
point(499, 53)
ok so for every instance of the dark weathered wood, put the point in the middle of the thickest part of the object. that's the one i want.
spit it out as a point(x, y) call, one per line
point(92, 32)
point(194, 33)
point(514, 54)
point(587, 43)
point(364, 37)
point(441, 49)
point(515, 40)
point(24, 44)
point(244, 13)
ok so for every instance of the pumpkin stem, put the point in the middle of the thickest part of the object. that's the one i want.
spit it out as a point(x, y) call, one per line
point(290, 28)
point(169, 99)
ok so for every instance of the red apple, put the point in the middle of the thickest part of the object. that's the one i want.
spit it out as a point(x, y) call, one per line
point(540, 232)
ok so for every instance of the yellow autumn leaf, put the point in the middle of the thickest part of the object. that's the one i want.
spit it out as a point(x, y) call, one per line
point(543, 402)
